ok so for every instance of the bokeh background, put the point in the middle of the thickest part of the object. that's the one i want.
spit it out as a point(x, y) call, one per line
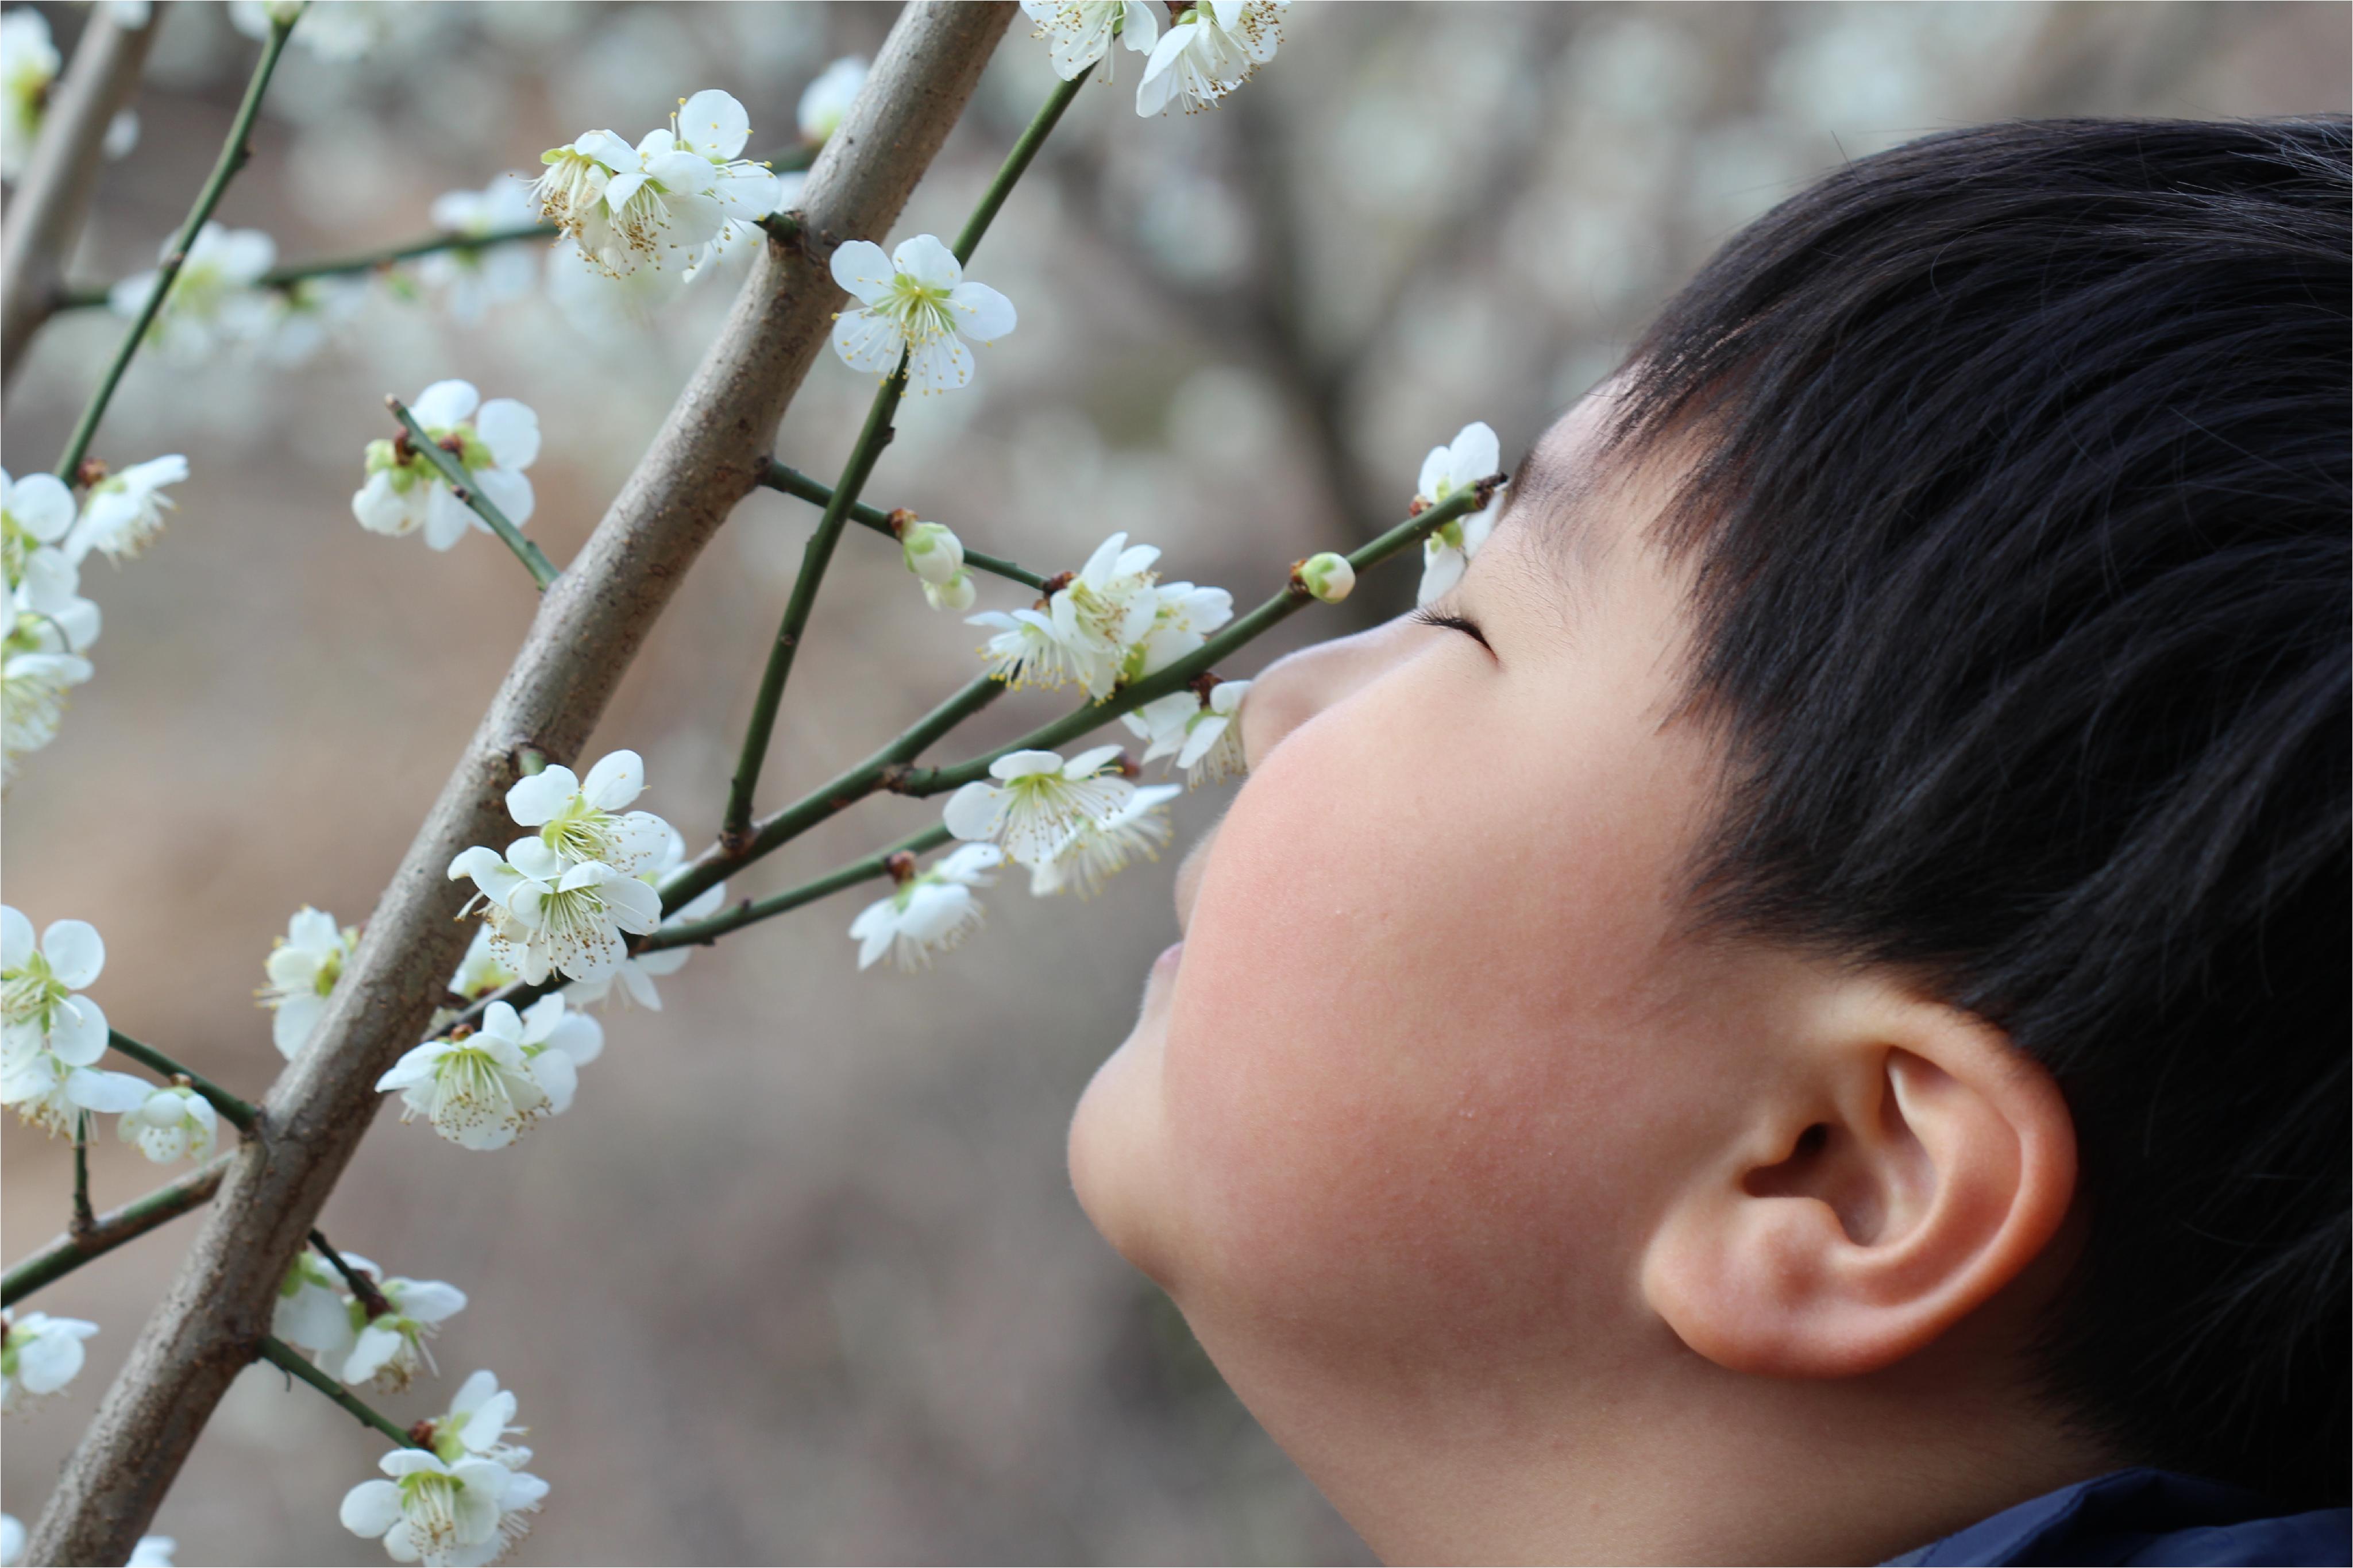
point(800, 1276)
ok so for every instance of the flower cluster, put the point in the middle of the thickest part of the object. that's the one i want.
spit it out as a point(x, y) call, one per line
point(217, 300)
point(304, 966)
point(1211, 49)
point(916, 303)
point(481, 1088)
point(1113, 622)
point(493, 441)
point(680, 189)
point(44, 538)
point(317, 1311)
point(49, 1032)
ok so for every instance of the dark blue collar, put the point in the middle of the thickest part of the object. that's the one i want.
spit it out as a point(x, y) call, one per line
point(2150, 1518)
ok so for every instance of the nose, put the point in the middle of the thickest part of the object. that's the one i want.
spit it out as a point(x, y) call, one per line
point(1299, 685)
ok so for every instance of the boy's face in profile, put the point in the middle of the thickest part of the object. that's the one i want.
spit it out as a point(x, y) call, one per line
point(1438, 1123)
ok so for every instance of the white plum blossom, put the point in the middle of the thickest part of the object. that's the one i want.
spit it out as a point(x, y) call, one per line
point(314, 1310)
point(175, 1122)
point(478, 1422)
point(303, 967)
point(677, 189)
point(1078, 32)
point(493, 441)
point(1094, 850)
point(473, 280)
point(1447, 472)
point(462, 1514)
point(1038, 800)
point(828, 98)
point(337, 31)
point(637, 972)
point(935, 555)
point(207, 297)
point(928, 913)
point(547, 915)
point(578, 820)
point(480, 973)
point(28, 64)
point(38, 1355)
point(1093, 623)
point(49, 1035)
point(481, 1089)
point(387, 1351)
point(123, 510)
point(914, 302)
point(1181, 623)
point(1196, 733)
point(35, 511)
point(1210, 51)
point(33, 687)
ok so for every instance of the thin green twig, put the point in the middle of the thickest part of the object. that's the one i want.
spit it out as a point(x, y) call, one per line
point(691, 933)
point(239, 1114)
point(1015, 162)
point(113, 1228)
point(286, 1358)
point(233, 154)
point(356, 261)
point(461, 484)
point(793, 482)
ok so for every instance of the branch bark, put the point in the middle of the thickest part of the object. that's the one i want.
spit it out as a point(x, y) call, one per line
point(709, 453)
point(47, 216)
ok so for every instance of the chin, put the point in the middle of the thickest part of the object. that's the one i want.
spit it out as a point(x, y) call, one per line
point(1116, 1138)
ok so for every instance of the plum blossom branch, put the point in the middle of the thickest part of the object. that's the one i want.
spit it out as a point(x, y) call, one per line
point(239, 1114)
point(364, 1288)
point(735, 825)
point(286, 1358)
point(791, 481)
point(357, 261)
point(111, 1230)
point(543, 571)
point(1177, 676)
point(233, 154)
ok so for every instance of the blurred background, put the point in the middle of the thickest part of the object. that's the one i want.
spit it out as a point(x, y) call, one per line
point(800, 1278)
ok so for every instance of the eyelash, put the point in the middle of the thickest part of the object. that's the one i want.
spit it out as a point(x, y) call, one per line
point(1451, 621)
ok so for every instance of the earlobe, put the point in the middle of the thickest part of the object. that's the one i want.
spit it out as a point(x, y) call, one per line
point(1909, 1165)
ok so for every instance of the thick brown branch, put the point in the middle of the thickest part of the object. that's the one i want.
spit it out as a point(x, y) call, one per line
point(708, 454)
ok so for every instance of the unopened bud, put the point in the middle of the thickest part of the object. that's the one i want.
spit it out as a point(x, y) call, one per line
point(956, 594)
point(1327, 576)
point(932, 552)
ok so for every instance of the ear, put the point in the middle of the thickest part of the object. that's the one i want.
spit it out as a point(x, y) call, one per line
point(1906, 1164)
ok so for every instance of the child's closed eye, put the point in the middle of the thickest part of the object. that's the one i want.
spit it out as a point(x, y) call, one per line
point(1429, 615)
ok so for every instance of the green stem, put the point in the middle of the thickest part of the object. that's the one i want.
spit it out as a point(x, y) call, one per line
point(240, 1115)
point(463, 484)
point(1016, 162)
point(233, 154)
point(112, 1229)
point(286, 1358)
point(793, 482)
point(690, 933)
point(357, 261)
point(84, 1221)
point(814, 556)
point(1177, 676)
point(837, 795)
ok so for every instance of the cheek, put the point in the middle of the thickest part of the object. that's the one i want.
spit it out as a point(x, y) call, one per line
point(1403, 1072)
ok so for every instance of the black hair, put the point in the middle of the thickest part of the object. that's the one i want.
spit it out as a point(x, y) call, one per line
point(2020, 534)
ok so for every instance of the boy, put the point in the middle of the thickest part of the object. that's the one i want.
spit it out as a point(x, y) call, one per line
point(1800, 1013)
